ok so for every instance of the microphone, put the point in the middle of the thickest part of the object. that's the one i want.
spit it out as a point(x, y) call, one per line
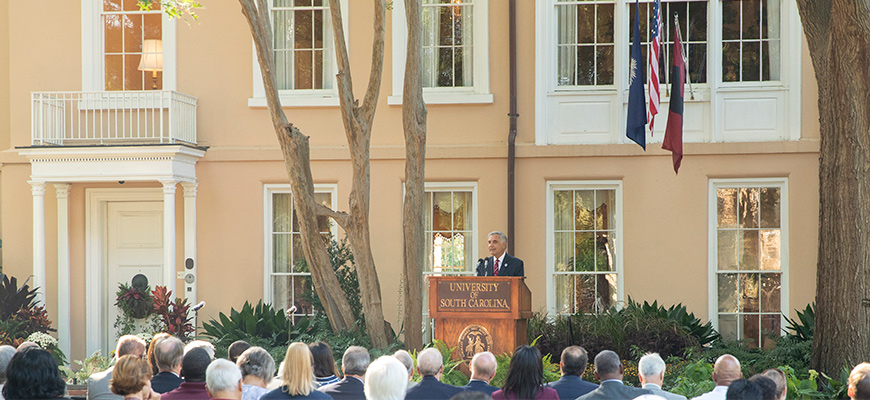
point(481, 263)
point(198, 306)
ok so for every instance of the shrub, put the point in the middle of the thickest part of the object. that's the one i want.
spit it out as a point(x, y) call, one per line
point(259, 325)
point(20, 316)
point(805, 325)
point(172, 316)
point(341, 258)
point(93, 364)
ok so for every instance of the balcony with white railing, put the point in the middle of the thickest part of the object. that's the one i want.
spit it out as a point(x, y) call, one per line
point(112, 118)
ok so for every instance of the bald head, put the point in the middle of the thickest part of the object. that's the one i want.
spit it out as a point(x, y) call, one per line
point(726, 370)
point(429, 362)
point(483, 366)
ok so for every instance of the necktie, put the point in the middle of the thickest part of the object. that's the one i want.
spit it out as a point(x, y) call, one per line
point(495, 268)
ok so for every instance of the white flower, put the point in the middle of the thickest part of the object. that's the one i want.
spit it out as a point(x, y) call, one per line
point(44, 340)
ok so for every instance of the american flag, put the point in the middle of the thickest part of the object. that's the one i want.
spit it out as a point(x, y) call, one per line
point(653, 83)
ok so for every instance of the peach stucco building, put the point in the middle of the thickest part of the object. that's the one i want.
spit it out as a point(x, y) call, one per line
point(132, 144)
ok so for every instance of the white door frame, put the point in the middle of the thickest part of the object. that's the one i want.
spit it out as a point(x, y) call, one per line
point(96, 201)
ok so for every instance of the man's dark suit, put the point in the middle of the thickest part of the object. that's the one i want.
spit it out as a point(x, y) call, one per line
point(510, 266)
point(572, 386)
point(430, 389)
point(480, 386)
point(610, 390)
point(165, 381)
point(349, 388)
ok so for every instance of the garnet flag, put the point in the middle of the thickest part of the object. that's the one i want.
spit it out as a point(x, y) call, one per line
point(674, 130)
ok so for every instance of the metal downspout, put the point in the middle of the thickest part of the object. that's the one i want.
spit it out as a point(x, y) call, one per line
point(512, 135)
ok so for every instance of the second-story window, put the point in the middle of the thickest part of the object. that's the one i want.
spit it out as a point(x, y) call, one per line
point(448, 47)
point(750, 40)
point(692, 16)
point(132, 46)
point(303, 44)
point(585, 43)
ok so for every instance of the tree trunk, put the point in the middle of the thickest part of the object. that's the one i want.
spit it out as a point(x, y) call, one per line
point(358, 127)
point(414, 125)
point(294, 146)
point(838, 34)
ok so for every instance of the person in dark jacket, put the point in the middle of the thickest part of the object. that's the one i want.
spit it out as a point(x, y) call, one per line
point(353, 364)
point(167, 354)
point(430, 366)
point(483, 367)
point(573, 364)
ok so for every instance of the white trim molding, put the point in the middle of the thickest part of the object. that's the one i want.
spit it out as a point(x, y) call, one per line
point(552, 187)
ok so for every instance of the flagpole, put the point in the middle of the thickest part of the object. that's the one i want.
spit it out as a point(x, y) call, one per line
point(683, 54)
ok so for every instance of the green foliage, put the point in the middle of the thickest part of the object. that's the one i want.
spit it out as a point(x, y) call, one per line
point(95, 363)
point(321, 331)
point(787, 351)
point(259, 325)
point(692, 379)
point(704, 333)
point(341, 258)
point(803, 327)
point(20, 316)
point(136, 310)
point(451, 375)
point(551, 370)
point(172, 8)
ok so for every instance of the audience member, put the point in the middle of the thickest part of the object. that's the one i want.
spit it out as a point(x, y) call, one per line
point(744, 389)
point(33, 374)
point(778, 377)
point(298, 376)
point(223, 380)
point(27, 344)
point(6, 353)
point(725, 371)
point(573, 364)
point(152, 351)
point(193, 367)
point(353, 365)
point(859, 382)
point(483, 367)
point(471, 395)
point(323, 363)
point(385, 379)
point(651, 372)
point(278, 380)
point(405, 358)
point(236, 349)
point(208, 347)
point(168, 352)
point(132, 378)
point(258, 368)
point(609, 371)
point(98, 383)
point(525, 377)
point(430, 366)
point(767, 385)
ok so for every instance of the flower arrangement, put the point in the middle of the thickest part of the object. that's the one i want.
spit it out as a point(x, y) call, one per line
point(48, 343)
point(173, 315)
point(133, 301)
point(20, 314)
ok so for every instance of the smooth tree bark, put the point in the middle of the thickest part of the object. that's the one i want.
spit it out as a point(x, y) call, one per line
point(838, 35)
point(414, 125)
point(295, 147)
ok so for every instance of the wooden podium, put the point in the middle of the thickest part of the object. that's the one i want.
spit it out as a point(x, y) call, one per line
point(480, 313)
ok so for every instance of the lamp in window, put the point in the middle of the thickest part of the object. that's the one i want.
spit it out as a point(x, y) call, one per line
point(152, 59)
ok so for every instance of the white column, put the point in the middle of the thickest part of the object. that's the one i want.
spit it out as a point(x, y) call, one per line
point(37, 188)
point(63, 275)
point(169, 234)
point(190, 239)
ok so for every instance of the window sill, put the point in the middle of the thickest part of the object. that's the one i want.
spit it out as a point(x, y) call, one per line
point(448, 98)
point(297, 101)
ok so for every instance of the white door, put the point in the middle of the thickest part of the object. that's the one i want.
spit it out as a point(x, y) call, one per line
point(134, 247)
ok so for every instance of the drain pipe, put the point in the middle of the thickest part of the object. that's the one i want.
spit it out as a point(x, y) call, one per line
point(512, 135)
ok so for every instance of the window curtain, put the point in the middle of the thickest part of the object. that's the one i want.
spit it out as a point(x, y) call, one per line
point(566, 19)
point(467, 15)
point(773, 33)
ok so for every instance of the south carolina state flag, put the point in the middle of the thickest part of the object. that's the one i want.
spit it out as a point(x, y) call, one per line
point(635, 124)
point(674, 131)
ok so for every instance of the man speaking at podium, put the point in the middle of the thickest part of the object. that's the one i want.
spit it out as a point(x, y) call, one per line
point(501, 263)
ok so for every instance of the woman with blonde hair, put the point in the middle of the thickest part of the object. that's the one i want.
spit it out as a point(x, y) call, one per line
point(131, 378)
point(298, 376)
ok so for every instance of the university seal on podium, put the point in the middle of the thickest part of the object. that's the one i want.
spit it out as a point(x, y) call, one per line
point(474, 339)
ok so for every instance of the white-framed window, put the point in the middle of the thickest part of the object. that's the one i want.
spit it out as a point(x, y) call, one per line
point(450, 227)
point(748, 258)
point(125, 48)
point(304, 54)
point(743, 59)
point(287, 280)
point(455, 51)
point(584, 246)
